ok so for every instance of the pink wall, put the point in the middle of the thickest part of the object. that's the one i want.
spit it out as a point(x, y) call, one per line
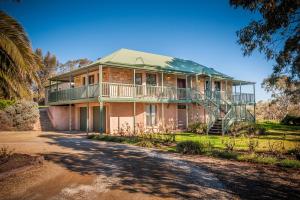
point(59, 117)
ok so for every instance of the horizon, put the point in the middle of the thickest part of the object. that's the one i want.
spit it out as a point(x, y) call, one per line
point(204, 33)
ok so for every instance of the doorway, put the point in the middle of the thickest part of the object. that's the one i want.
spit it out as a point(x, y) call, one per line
point(181, 91)
point(181, 110)
point(96, 119)
point(83, 118)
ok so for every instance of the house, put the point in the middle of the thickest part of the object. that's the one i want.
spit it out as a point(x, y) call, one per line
point(130, 91)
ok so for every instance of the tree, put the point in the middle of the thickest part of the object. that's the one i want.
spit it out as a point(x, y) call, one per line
point(50, 64)
point(73, 64)
point(276, 34)
point(18, 63)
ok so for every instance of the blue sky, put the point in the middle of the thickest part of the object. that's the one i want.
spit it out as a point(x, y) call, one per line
point(202, 31)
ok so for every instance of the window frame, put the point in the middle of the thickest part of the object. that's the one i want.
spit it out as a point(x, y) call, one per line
point(151, 116)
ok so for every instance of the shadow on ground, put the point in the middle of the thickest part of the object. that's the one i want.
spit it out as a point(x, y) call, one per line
point(139, 172)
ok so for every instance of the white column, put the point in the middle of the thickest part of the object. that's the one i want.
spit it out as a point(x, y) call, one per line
point(134, 103)
point(70, 107)
point(162, 104)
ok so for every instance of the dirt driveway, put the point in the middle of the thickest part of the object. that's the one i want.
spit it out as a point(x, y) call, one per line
point(77, 168)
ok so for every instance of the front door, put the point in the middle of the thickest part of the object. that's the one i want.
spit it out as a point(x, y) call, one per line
point(217, 91)
point(181, 109)
point(83, 118)
point(181, 91)
point(96, 119)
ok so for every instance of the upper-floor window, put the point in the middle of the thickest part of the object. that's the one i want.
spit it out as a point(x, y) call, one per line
point(217, 86)
point(151, 115)
point(91, 79)
point(138, 79)
point(83, 80)
point(151, 79)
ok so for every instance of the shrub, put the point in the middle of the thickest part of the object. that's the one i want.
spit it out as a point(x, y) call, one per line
point(295, 151)
point(5, 154)
point(229, 144)
point(252, 144)
point(190, 147)
point(257, 158)
point(291, 120)
point(5, 103)
point(20, 116)
point(198, 128)
point(226, 154)
point(146, 143)
point(289, 163)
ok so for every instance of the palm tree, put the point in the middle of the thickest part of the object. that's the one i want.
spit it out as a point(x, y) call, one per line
point(18, 63)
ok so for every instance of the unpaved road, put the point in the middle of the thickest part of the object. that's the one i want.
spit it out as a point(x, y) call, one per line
point(77, 168)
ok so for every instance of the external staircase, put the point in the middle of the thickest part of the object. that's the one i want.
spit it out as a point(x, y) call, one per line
point(45, 123)
point(222, 113)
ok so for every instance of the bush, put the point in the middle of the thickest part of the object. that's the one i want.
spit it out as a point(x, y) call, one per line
point(22, 115)
point(198, 128)
point(289, 163)
point(190, 147)
point(5, 154)
point(5, 103)
point(146, 143)
point(229, 144)
point(295, 151)
point(290, 120)
point(252, 145)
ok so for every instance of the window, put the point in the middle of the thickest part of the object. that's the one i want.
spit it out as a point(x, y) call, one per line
point(150, 115)
point(217, 85)
point(151, 79)
point(138, 79)
point(91, 79)
point(181, 106)
point(83, 80)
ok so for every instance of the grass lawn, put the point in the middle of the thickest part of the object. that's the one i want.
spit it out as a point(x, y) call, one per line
point(283, 139)
point(277, 134)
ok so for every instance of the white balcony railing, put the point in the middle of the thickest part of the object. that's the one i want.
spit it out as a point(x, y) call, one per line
point(119, 90)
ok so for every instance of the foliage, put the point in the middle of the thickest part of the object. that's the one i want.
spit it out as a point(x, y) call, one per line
point(190, 147)
point(198, 127)
point(49, 64)
point(18, 63)
point(276, 34)
point(291, 120)
point(72, 64)
point(5, 103)
point(146, 143)
point(5, 154)
point(289, 163)
point(229, 144)
point(295, 151)
point(252, 144)
point(20, 116)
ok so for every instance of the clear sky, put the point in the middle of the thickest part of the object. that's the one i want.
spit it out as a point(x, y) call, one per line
point(202, 31)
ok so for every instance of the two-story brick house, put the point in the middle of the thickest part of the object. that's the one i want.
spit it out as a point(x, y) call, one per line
point(135, 90)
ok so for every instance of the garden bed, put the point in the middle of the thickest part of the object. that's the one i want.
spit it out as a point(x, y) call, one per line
point(18, 162)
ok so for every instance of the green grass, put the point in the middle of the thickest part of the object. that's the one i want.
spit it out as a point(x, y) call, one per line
point(278, 135)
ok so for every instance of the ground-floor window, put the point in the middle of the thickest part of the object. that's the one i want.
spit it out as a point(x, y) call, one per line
point(151, 115)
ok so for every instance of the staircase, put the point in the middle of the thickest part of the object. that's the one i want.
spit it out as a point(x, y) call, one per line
point(45, 123)
point(216, 127)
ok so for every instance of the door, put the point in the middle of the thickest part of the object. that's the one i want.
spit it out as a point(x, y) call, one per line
point(181, 91)
point(83, 118)
point(181, 109)
point(217, 92)
point(97, 118)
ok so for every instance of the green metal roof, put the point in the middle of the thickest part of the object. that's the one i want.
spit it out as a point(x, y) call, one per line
point(146, 61)
point(159, 62)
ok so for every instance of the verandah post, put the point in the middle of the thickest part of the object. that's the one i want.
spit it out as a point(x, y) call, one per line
point(70, 107)
point(186, 105)
point(162, 104)
point(134, 103)
point(88, 104)
point(100, 101)
point(254, 105)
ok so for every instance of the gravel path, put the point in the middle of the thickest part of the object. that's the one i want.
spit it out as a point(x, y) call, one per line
point(77, 168)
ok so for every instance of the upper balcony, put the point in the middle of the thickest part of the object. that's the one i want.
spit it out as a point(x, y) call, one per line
point(117, 92)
